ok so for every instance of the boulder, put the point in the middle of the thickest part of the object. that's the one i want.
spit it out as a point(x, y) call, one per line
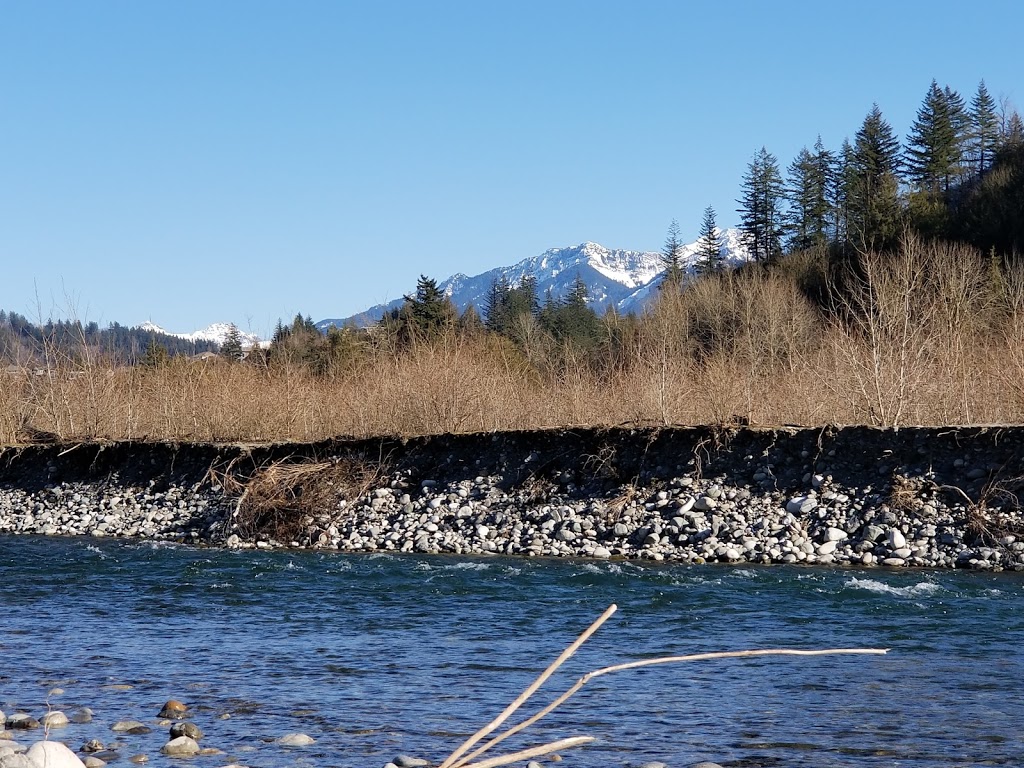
point(53, 754)
point(182, 746)
point(405, 761)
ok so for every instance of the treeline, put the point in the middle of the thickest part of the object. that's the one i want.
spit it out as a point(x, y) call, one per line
point(957, 176)
point(23, 342)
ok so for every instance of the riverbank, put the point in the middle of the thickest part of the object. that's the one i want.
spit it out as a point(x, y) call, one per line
point(921, 497)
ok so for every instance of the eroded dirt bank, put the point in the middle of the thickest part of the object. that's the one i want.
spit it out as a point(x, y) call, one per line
point(854, 495)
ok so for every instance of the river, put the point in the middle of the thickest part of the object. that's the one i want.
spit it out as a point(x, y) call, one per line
point(379, 655)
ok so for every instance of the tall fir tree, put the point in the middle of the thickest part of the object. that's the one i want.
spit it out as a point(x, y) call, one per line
point(809, 191)
point(761, 217)
point(709, 245)
point(932, 153)
point(984, 131)
point(672, 258)
point(873, 219)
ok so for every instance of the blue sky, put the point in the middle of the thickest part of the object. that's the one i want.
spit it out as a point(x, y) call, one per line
point(192, 162)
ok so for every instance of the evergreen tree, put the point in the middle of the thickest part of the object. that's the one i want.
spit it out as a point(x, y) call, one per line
point(571, 320)
point(709, 245)
point(873, 206)
point(809, 191)
point(427, 313)
point(231, 349)
point(672, 258)
point(933, 146)
point(761, 218)
point(470, 322)
point(496, 304)
point(156, 355)
point(984, 133)
point(844, 181)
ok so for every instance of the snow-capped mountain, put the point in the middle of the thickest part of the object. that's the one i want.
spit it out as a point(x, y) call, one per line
point(217, 333)
point(626, 280)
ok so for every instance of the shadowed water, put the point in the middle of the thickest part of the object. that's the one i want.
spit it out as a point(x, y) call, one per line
point(380, 655)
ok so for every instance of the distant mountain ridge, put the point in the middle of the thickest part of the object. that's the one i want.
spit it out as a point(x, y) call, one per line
point(623, 279)
point(216, 333)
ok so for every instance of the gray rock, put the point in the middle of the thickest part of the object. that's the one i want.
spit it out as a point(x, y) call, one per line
point(22, 721)
point(16, 760)
point(91, 761)
point(705, 765)
point(405, 761)
point(54, 719)
point(124, 726)
point(81, 715)
point(186, 729)
point(705, 504)
point(873, 533)
point(835, 534)
point(296, 740)
point(53, 754)
point(91, 746)
point(801, 505)
point(896, 539)
point(182, 746)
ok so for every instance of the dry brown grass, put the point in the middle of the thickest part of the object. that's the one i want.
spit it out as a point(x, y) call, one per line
point(926, 336)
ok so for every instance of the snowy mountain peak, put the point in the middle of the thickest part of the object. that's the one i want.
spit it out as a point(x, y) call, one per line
point(217, 333)
point(614, 277)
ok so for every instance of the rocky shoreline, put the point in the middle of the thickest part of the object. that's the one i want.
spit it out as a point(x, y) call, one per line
point(920, 497)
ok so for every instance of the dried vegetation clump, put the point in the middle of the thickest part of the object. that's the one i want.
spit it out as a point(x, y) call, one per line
point(287, 500)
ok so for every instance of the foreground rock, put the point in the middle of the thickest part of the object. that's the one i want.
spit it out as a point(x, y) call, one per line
point(844, 496)
point(53, 754)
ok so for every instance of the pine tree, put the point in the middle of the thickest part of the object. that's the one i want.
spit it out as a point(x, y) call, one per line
point(984, 132)
point(709, 245)
point(873, 193)
point(231, 349)
point(761, 218)
point(672, 258)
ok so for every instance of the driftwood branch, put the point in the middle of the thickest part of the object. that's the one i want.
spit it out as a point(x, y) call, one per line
point(459, 758)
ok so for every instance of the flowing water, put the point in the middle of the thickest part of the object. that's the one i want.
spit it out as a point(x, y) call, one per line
point(380, 655)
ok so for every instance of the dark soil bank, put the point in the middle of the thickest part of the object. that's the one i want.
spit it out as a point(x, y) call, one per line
point(852, 495)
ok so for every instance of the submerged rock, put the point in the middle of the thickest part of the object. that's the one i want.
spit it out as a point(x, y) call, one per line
point(296, 740)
